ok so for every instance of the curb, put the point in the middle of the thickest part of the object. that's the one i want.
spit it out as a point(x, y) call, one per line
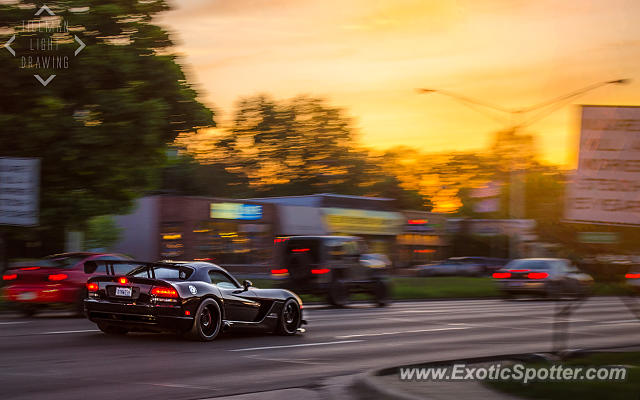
point(365, 387)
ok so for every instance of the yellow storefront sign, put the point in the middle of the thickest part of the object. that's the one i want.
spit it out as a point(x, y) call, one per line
point(352, 221)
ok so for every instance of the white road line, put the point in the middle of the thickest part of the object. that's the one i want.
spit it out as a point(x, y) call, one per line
point(297, 345)
point(624, 321)
point(11, 323)
point(63, 332)
point(403, 332)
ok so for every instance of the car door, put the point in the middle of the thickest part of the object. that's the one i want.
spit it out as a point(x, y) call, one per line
point(351, 260)
point(239, 304)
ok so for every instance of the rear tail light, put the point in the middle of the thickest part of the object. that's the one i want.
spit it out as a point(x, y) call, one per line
point(9, 277)
point(58, 277)
point(632, 276)
point(164, 292)
point(537, 275)
point(501, 275)
point(92, 286)
point(319, 271)
point(29, 268)
point(122, 280)
point(280, 271)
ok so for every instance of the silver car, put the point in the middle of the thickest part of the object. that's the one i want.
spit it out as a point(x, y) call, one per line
point(550, 277)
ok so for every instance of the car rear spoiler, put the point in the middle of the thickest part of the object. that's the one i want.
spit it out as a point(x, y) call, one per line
point(91, 266)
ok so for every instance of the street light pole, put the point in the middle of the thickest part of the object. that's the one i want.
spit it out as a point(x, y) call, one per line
point(519, 113)
point(518, 120)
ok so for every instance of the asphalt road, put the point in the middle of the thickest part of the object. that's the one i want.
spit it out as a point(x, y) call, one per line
point(56, 357)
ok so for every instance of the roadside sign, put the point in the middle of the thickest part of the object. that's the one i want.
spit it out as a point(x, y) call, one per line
point(606, 186)
point(598, 237)
point(19, 191)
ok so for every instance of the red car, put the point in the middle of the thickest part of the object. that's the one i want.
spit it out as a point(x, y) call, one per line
point(56, 281)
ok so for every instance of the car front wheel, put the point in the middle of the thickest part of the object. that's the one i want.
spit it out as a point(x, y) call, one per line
point(290, 318)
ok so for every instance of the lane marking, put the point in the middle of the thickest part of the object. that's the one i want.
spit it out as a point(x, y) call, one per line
point(298, 345)
point(63, 332)
point(306, 361)
point(16, 322)
point(623, 321)
point(453, 328)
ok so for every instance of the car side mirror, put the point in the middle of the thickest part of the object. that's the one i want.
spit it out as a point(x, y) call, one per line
point(246, 284)
point(90, 267)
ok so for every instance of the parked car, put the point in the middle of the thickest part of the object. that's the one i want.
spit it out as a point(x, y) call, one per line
point(195, 299)
point(454, 266)
point(57, 281)
point(633, 278)
point(550, 277)
point(331, 266)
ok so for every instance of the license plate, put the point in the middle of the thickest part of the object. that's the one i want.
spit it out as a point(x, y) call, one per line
point(123, 291)
point(27, 296)
point(515, 284)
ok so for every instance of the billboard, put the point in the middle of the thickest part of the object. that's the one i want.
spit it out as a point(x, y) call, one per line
point(606, 186)
point(19, 191)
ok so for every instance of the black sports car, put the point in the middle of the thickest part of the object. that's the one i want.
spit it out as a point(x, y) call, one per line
point(196, 299)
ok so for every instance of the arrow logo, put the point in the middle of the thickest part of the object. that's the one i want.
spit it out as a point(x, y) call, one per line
point(8, 45)
point(45, 8)
point(45, 83)
point(82, 45)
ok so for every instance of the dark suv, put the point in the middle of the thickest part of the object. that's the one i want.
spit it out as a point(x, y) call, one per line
point(331, 266)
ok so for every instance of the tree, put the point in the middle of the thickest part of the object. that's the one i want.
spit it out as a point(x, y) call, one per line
point(292, 146)
point(101, 126)
point(102, 232)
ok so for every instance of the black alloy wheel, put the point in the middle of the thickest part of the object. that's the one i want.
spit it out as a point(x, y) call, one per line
point(207, 322)
point(290, 318)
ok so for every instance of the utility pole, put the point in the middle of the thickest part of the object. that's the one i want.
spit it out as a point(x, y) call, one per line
point(516, 119)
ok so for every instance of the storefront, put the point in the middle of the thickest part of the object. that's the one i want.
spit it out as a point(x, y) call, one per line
point(242, 232)
point(223, 231)
point(423, 239)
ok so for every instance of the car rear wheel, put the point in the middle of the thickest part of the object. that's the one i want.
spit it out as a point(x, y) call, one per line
point(112, 329)
point(381, 292)
point(508, 296)
point(290, 318)
point(338, 295)
point(207, 323)
point(554, 291)
point(28, 310)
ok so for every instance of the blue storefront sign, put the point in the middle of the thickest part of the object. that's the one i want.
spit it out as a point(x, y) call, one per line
point(239, 211)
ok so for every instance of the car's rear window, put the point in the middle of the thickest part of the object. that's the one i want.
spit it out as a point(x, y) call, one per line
point(60, 262)
point(170, 273)
point(529, 264)
point(307, 247)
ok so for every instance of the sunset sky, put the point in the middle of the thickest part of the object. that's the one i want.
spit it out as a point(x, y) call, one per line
point(369, 56)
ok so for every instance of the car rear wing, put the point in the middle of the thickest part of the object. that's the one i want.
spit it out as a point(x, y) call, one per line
point(91, 266)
